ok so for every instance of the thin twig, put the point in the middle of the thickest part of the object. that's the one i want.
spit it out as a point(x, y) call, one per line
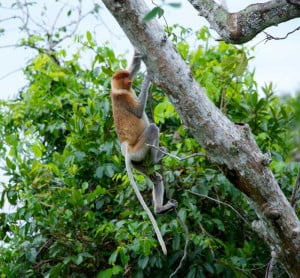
point(47, 242)
point(75, 27)
point(175, 156)
point(9, 45)
point(187, 239)
point(111, 32)
point(10, 73)
point(162, 16)
point(8, 18)
point(296, 190)
point(26, 14)
point(220, 202)
point(40, 263)
point(270, 37)
point(56, 19)
point(40, 25)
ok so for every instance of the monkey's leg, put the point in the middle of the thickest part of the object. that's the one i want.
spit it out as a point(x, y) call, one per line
point(152, 138)
point(158, 195)
point(158, 190)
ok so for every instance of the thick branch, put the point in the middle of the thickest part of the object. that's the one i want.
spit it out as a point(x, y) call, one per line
point(229, 145)
point(244, 25)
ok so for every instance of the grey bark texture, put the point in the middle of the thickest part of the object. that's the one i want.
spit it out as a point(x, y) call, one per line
point(229, 145)
point(244, 25)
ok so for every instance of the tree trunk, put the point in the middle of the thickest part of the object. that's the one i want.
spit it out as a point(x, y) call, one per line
point(244, 25)
point(229, 145)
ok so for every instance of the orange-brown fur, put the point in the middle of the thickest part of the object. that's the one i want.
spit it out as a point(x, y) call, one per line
point(136, 134)
point(128, 126)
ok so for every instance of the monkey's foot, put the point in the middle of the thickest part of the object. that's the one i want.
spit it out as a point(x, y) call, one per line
point(164, 150)
point(161, 153)
point(170, 205)
point(137, 53)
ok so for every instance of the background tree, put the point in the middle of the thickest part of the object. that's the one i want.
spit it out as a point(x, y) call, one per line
point(77, 215)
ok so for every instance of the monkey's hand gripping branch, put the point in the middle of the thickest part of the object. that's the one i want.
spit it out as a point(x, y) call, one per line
point(140, 197)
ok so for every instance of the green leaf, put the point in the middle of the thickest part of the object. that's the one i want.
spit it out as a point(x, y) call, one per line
point(146, 245)
point(242, 65)
point(116, 269)
point(109, 169)
point(86, 255)
point(99, 172)
point(175, 5)
point(78, 259)
point(157, 11)
point(55, 271)
point(107, 273)
point(160, 12)
point(113, 257)
point(176, 242)
point(192, 272)
point(2, 200)
point(31, 255)
point(182, 214)
point(143, 261)
point(12, 196)
point(67, 260)
point(10, 164)
point(37, 150)
point(89, 37)
point(124, 258)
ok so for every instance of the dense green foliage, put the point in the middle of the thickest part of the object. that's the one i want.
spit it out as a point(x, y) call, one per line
point(76, 214)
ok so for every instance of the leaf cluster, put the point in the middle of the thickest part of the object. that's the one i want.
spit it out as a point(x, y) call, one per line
point(75, 214)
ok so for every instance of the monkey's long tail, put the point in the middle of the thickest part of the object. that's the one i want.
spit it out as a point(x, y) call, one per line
point(144, 205)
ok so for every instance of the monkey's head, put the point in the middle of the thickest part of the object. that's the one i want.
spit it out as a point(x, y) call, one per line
point(121, 80)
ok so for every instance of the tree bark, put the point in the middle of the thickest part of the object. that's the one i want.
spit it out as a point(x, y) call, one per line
point(229, 145)
point(244, 25)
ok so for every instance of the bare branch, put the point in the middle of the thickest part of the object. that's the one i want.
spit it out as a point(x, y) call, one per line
point(244, 25)
point(270, 37)
point(187, 239)
point(175, 156)
point(79, 18)
point(26, 15)
point(56, 19)
point(10, 73)
point(220, 202)
point(8, 18)
point(9, 45)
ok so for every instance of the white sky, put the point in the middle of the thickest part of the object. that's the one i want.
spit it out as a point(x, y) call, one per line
point(276, 61)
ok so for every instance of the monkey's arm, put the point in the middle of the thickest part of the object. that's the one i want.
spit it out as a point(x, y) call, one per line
point(144, 94)
point(135, 64)
point(138, 110)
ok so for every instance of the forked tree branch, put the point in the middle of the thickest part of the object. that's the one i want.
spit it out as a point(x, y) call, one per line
point(244, 25)
point(229, 145)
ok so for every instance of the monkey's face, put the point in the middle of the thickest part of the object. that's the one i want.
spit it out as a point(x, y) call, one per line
point(121, 80)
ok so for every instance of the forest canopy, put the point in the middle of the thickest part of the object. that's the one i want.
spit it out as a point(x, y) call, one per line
point(75, 213)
